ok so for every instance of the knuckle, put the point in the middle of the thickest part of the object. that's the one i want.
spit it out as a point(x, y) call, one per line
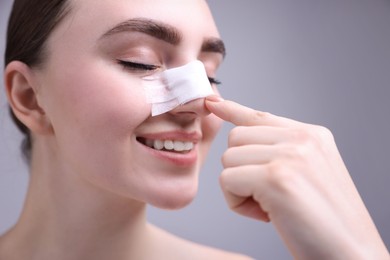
point(223, 177)
point(302, 135)
point(282, 178)
point(313, 135)
point(234, 136)
point(225, 159)
point(260, 116)
point(324, 133)
point(323, 140)
point(297, 151)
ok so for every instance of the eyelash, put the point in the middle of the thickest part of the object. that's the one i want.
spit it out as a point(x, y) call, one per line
point(214, 81)
point(135, 66)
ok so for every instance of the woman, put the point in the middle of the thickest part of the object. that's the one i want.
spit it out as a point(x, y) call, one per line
point(76, 90)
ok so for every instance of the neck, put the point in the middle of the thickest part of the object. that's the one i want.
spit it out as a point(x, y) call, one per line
point(66, 217)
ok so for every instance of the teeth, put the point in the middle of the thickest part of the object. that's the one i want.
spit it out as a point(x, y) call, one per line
point(169, 145)
point(149, 142)
point(158, 145)
point(188, 146)
point(178, 146)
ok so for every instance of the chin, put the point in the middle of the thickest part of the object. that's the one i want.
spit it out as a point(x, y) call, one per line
point(174, 198)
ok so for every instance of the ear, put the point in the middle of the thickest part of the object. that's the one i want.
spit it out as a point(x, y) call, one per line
point(22, 93)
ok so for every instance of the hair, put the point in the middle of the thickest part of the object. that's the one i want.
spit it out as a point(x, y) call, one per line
point(30, 25)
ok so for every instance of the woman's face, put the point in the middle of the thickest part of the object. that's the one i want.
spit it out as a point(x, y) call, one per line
point(102, 125)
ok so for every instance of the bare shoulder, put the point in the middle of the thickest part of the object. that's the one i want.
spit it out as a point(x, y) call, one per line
point(178, 248)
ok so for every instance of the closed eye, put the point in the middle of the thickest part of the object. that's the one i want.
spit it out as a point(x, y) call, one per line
point(214, 81)
point(137, 66)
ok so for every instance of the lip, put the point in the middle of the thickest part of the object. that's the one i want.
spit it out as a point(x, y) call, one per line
point(179, 159)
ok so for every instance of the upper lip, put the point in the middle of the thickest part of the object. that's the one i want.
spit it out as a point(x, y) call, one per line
point(174, 135)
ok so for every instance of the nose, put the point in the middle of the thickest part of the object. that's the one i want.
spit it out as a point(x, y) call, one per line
point(192, 109)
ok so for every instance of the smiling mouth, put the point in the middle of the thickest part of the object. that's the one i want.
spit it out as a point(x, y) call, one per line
point(174, 146)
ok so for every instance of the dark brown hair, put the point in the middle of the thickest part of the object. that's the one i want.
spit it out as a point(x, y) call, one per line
point(29, 26)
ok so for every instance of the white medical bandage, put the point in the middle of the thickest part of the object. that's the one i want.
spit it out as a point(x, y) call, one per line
point(177, 86)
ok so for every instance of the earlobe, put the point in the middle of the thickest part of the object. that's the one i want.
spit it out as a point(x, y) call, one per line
point(21, 89)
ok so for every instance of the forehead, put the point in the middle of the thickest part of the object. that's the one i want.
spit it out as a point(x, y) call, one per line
point(97, 16)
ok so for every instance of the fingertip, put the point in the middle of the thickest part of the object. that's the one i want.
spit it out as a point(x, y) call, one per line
point(214, 98)
point(211, 103)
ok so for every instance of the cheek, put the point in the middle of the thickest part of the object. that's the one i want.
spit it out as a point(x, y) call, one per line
point(210, 127)
point(99, 97)
point(94, 111)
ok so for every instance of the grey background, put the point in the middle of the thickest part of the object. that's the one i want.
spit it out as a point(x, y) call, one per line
point(324, 62)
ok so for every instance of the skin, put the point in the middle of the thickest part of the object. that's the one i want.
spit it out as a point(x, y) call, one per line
point(91, 178)
point(291, 173)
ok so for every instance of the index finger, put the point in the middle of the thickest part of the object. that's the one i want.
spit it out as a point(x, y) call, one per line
point(241, 115)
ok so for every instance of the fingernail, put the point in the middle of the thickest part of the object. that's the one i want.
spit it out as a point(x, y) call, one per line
point(214, 98)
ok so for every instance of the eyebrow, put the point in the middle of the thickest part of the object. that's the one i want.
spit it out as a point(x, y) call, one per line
point(164, 32)
point(214, 45)
point(150, 27)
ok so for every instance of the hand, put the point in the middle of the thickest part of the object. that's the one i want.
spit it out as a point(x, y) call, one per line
point(291, 173)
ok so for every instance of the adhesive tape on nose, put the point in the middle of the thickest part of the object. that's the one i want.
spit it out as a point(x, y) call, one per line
point(177, 86)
